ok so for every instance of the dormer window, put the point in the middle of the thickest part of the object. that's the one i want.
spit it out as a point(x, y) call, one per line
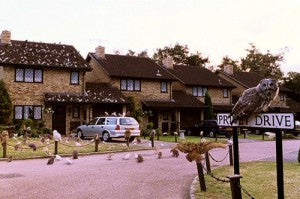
point(74, 78)
point(29, 75)
point(130, 85)
point(199, 91)
point(225, 93)
point(164, 87)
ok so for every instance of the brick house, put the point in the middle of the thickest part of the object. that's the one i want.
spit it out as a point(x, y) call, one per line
point(139, 78)
point(195, 81)
point(44, 76)
point(245, 80)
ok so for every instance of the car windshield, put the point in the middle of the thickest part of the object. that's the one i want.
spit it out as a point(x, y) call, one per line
point(128, 121)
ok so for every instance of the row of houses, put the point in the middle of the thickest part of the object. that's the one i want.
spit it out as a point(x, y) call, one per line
point(55, 84)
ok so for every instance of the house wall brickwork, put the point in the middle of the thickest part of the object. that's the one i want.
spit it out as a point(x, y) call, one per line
point(97, 74)
point(24, 93)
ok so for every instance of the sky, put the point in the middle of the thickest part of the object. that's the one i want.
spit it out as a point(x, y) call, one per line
point(214, 28)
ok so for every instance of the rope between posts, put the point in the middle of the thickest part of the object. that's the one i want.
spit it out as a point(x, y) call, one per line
point(218, 160)
point(246, 192)
point(25, 147)
point(77, 146)
point(215, 177)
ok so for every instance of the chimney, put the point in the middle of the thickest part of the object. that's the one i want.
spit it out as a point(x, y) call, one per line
point(228, 69)
point(168, 62)
point(100, 52)
point(5, 37)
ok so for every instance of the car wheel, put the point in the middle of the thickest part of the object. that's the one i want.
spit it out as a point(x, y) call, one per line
point(80, 134)
point(106, 137)
point(212, 134)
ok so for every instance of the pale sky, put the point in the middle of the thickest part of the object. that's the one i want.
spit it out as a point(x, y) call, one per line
point(215, 28)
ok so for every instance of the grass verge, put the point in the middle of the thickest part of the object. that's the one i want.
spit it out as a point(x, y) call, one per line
point(171, 138)
point(259, 179)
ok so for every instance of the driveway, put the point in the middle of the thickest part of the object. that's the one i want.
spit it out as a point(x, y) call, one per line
point(96, 177)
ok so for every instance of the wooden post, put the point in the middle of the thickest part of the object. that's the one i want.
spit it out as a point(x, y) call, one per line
point(207, 162)
point(152, 141)
point(4, 145)
point(235, 186)
point(230, 155)
point(263, 136)
point(157, 136)
point(216, 137)
point(55, 147)
point(96, 145)
point(236, 162)
point(201, 176)
point(175, 134)
point(279, 164)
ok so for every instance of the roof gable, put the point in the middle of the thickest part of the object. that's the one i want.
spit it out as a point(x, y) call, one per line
point(41, 54)
point(131, 66)
point(197, 75)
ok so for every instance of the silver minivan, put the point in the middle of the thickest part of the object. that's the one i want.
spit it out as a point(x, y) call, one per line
point(109, 127)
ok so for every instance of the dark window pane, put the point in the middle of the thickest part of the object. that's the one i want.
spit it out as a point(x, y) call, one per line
point(38, 76)
point(195, 91)
point(28, 75)
point(74, 78)
point(130, 85)
point(18, 112)
point(76, 112)
point(164, 87)
point(37, 112)
point(123, 84)
point(137, 85)
point(28, 112)
point(19, 75)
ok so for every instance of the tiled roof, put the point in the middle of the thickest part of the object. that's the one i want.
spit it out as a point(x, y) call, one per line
point(41, 54)
point(131, 66)
point(198, 76)
point(96, 93)
point(180, 100)
point(293, 105)
point(222, 107)
point(250, 79)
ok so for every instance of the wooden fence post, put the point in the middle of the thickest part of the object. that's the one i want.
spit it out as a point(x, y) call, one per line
point(96, 145)
point(55, 147)
point(235, 186)
point(175, 134)
point(207, 162)
point(201, 176)
point(4, 145)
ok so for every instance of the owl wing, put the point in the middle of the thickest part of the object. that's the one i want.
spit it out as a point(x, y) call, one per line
point(247, 104)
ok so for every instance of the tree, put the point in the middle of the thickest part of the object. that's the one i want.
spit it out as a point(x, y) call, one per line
point(180, 55)
point(292, 82)
point(228, 61)
point(266, 64)
point(5, 104)
point(208, 111)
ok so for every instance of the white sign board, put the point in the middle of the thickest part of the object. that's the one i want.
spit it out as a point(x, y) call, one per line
point(263, 120)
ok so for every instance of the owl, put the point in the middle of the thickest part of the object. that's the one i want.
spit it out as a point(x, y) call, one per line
point(255, 99)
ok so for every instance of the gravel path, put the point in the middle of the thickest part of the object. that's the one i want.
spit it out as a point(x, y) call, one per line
point(96, 177)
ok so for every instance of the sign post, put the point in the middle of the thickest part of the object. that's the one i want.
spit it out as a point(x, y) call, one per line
point(276, 121)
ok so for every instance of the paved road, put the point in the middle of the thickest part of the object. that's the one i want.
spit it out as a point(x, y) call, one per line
point(96, 177)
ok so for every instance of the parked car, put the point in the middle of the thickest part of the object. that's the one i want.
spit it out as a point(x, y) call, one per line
point(109, 127)
point(210, 128)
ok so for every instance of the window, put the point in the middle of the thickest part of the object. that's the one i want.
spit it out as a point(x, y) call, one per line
point(199, 91)
point(93, 121)
point(76, 112)
point(25, 112)
point(130, 85)
point(225, 93)
point(101, 121)
point(110, 121)
point(282, 97)
point(28, 75)
point(74, 77)
point(164, 87)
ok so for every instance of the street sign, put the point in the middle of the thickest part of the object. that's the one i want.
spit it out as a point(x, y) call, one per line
point(263, 120)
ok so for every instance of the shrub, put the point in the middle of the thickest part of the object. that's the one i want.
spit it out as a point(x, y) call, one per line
point(149, 126)
point(5, 104)
point(46, 131)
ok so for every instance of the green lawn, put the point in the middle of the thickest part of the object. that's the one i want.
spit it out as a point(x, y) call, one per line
point(171, 138)
point(259, 179)
point(63, 148)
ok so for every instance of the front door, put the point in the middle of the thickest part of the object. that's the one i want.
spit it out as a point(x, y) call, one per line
point(59, 119)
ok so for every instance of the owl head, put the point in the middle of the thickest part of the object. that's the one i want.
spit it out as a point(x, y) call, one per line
point(268, 84)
